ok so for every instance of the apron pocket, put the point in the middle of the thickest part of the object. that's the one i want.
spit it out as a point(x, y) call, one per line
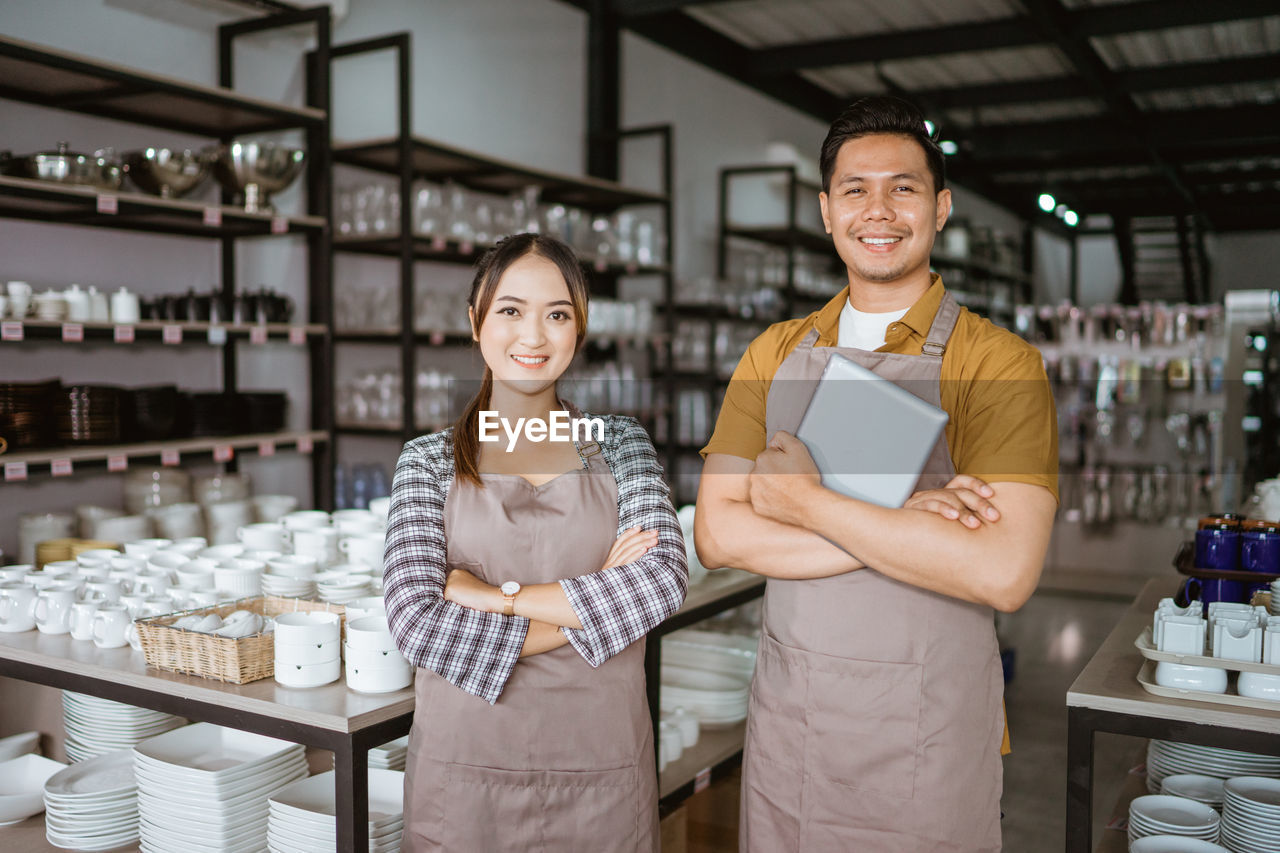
point(555, 810)
point(863, 724)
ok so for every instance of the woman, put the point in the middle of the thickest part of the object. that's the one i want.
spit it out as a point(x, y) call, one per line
point(519, 576)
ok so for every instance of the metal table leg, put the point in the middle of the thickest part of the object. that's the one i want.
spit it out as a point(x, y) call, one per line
point(1079, 781)
point(351, 797)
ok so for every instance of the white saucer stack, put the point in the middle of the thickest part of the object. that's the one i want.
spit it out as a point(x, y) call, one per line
point(93, 805)
point(204, 788)
point(97, 726)
point(374, 664)
point(1251, 815)
point(1158, 814)
point(1194, 786)
point(302, 815)
point(1166, 758)
point(390, 756)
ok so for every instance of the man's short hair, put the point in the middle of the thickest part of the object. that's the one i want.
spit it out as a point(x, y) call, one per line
point(881, 114)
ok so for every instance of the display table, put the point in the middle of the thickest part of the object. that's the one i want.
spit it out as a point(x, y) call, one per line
point(1106, 697)
point(330, 717)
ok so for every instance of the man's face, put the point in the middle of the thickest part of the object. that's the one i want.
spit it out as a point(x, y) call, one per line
point(881, 208)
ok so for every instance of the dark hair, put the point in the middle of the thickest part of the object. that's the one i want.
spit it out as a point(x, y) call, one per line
point(493, 264)
point(877, 114)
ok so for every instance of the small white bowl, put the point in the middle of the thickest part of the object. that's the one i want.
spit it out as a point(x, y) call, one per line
point(1205, 679)
point(308, 675)
point(287, 653)
point(301, 629)
point(379, 679)
point(22, 786)
point(20, 744)
point(373, 658)
point(371, 632)
point(370, 605)
point(1259, 685)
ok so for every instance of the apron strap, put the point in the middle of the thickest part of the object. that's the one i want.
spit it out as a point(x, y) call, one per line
point(944, 323)
point(589, 451)
point(809, 340)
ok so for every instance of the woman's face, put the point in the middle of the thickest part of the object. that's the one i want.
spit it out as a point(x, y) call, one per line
point(529, 334)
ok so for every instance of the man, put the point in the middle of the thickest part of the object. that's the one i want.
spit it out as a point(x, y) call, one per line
point(876, 718)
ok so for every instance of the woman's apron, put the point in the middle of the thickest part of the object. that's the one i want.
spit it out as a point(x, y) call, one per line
point(875, 719)
point(564, 760)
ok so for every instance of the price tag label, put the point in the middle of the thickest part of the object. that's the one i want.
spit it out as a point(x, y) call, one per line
point(267, 448)
point(15, 471)
point(217, 335)
point(60, 467)
point(305, 444)
point(601, 265)
point(108, 204)
point(298, 335)
point(279, 225)
point(257, 334)
point(170, 458)
point(213, 216)
point(11, 331)
point(439, 244)
point(467, 247)
point(702, 781)
point(72, 333)
point(124, 334)
point(223, 453)
point(117, 463)
point(171, 334)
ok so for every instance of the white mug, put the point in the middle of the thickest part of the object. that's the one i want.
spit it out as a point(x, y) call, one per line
point(263, 536)
point(53, 607)
point(97, 572)
point(105, 591)
point(15, 573)
point(82, 613)
point(273, 507)
point(366, 550)
point(143, 547)
point(109, 626)
point(97, 557)
point(17, 601)
point(124, 306)
point(307, 519)
point(62, 568)
point(133, 603)
point(151, 583)
point(38, 579)
point(318, 542)
point(203, 598)
point(294, 566)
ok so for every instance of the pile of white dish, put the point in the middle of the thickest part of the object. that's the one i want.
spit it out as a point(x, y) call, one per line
point(1167, 758)
point(1195, 786)
point(96, 726)
point(1251, 815)
point(1159, 814)
point(93, 805)
point(22, 786)
point(707, 674)
point(389, 756)
point(374, 664)
point(302, 816)
point(204, 788)
point(308, 648)
point(1174, 844)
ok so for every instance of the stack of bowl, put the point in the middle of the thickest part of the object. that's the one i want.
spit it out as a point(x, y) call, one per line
point(374, 664)
point(308, 649)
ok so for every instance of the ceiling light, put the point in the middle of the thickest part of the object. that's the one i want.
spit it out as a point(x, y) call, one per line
point(948, 147)
point(1047, 202)
point(1071, 218)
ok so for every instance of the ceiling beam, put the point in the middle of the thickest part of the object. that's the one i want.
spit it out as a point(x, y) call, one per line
point(1019, 165)
point(1017, 31)
point(640, 8)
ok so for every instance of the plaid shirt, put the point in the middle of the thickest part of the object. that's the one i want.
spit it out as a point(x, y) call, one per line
point(477, 651)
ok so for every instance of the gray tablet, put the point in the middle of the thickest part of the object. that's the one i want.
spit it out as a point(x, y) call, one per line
point(869, 437)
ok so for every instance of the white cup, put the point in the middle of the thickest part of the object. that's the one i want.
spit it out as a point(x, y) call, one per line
point(134, 602)
point(196, 574)
point(38, 579)
point(293, 566)
point(164, 562)
point(144, 547)
point(17, 603)
point(307, 519)
point(15, 573)
point(365, 550)
point(229, 513)
point(222, 553)
point(203, 598)
point(318, 542)
point(62, 568)
point(124, 306)
point(380, 507)
point(19, 298)
point(109, 626)
point(97, 572)
point(308, 628)
point(108, 591)
point(82, 613)
point(53, 607)
point(370, 605)
point(273, 507)
point(97, 557)
point(187, 547)
point(264, 536)
point(151, 583)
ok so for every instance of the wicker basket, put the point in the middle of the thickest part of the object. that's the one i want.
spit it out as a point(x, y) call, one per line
point(237, 660)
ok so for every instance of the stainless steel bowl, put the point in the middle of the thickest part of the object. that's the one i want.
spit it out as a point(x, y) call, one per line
point(63, 166)
point(167, 172)
point(254, 170)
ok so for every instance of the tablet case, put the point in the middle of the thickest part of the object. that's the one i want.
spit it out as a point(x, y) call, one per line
point(869, 437)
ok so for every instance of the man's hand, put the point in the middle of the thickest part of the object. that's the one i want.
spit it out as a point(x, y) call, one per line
point(462, 587)
point(964, 499)
point(782, 479)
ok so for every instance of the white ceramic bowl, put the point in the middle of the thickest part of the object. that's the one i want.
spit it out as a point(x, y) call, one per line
point(308, 675)
point(369, 605)
point(379, 679)
point(293, 566)
point(370, 633)
point(1259, 685)
point(1205, 679)
point(373, 658)
point(301, 629)
point(1174, 844)
point(22, 786)
point(287, 653)
point(20, 744)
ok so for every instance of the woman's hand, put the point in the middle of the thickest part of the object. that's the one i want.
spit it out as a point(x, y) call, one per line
point(629, 547)
point(964, 499)
point(462, 587)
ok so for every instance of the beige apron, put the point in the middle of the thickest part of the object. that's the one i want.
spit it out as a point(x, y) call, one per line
point(564, 760)
point(875, 719)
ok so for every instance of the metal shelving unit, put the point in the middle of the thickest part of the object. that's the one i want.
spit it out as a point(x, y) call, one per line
point(48, 77)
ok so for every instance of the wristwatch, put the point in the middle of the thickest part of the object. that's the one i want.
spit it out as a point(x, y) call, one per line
point(509, 591)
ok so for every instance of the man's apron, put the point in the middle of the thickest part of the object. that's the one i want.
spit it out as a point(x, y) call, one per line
point(564, 761)
point(875, 720)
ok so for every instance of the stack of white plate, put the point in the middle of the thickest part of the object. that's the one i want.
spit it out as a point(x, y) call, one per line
point(96, 726)
point(718, 699)
point(1251, 815)
point(1158, 814)
point(1194, 786)
point(1166, 758)
point(341, 587)
point(302, 815)
point(204, 788)
point(390, 756)
point(284, 586)
point(1174, 844)
point(711, 650)
point(93, 805)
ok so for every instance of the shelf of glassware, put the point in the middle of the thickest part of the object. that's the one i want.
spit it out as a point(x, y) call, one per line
point(460, 338)
point(167, 331)
point(43, 201)
point(52, 78)
point(427, 248)
point(61, 460)
point(800, 238)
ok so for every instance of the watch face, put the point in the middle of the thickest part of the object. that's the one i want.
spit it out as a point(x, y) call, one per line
point(510, 588)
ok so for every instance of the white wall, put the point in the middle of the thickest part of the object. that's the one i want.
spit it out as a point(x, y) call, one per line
point(1244, 261)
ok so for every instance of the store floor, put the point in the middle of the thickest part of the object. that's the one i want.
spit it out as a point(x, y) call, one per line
point(1054, 635)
